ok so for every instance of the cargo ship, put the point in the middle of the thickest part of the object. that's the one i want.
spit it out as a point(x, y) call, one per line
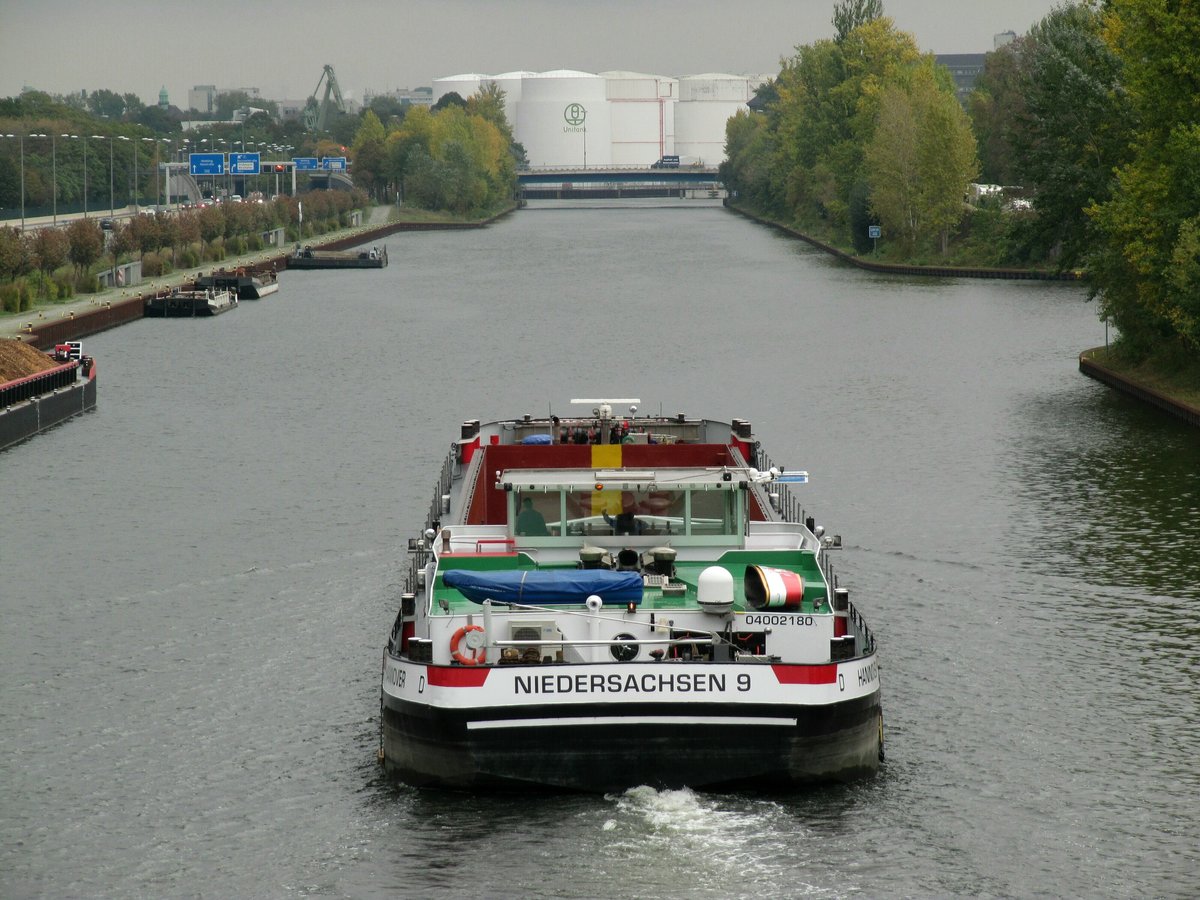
point(597, 602)
point(308, 258)
point(184, 303)
point(58, 386)
point(245, 284)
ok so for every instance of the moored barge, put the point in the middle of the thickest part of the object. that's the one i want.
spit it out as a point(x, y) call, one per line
point(183, 303)
point(243, 283)
point(308, 258)
point(65, 387)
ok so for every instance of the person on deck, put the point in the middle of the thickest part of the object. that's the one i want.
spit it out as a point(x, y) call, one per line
point(625, 522)
point(530, 521)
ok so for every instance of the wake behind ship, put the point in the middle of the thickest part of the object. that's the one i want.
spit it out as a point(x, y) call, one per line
point(599, 602)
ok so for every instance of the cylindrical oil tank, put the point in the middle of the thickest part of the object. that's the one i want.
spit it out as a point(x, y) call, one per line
point(463, 85)
point(706, 103)
point(643, 116)
point(563, 120)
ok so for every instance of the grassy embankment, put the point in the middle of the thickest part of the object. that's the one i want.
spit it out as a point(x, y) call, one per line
point(1178, 379)
point(980, 242)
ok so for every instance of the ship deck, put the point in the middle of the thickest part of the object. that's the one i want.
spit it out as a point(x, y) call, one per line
point(686, 573)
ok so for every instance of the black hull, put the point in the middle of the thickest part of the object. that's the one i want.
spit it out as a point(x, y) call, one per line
point(26, 419)
point(425, 746)
point(338, 259)
point(182, 308)
point(244, 286)
point(326, 263)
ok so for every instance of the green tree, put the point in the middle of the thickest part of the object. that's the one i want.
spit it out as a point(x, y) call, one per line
point(415, 133)
point(749, 150)
point(367, 151)
point(388, 109)
point(1072, 131)
point(50, 249)
point(158, 120)
point(995, 105)
point(133, 104)
point(921, 160)
point(1147, 256)
point(453, 98)
point(14, 254)
point(849, 14)
point(106, 104)
point(825, 115)
point(86, 243)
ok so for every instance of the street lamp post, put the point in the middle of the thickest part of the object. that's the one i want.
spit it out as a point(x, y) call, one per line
point(84, 138)
point(54, 176)
point(165, 194)
point(147, 141)
point(228, 174)
point(75, 137)
point(123, 138)
point(111, 205)
point(184, 157)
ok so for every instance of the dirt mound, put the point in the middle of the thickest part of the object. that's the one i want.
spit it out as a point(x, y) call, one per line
point(18, 359)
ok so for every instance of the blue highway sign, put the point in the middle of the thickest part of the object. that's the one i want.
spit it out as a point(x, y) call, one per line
point(206, 163)
point(305, 163)
point(243, 163)
point(334, 163)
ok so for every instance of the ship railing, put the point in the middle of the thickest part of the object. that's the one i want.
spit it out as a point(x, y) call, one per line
point(780, 495)
point(445, 480)
point(606, 642)
point(860, 626)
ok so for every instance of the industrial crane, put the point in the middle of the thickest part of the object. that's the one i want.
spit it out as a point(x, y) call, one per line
point(316, 115)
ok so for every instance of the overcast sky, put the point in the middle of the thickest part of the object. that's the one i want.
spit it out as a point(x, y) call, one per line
point(280, 46)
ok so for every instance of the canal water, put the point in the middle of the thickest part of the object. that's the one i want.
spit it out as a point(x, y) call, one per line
point(198, 578)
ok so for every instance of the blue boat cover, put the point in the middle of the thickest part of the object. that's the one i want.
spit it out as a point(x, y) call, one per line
point(538, 439)
point(536, 587)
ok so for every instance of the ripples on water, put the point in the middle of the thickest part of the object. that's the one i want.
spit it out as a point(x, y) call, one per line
point(203, 570)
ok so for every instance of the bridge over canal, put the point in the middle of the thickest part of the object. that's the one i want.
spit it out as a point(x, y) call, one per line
point(615, 182)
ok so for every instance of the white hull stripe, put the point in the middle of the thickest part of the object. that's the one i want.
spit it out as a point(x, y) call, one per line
point(632, 720)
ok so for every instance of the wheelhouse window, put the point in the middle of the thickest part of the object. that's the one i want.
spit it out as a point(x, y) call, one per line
point(536, 511)
point(634, 512)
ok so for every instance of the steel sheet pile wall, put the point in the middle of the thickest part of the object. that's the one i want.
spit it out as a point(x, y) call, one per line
point(46, 333)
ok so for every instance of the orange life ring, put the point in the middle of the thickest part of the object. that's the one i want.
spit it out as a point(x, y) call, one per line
point(460, 657)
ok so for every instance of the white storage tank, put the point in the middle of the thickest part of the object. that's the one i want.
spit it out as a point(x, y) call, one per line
point(706, 103)
point(642, 107)
point(563, 120)
point(463, 85)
